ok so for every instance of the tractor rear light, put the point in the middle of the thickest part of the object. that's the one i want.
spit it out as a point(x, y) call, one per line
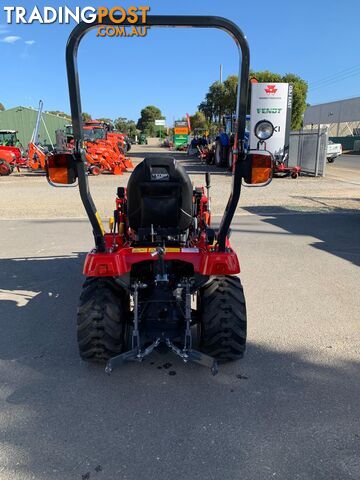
point(258, 168)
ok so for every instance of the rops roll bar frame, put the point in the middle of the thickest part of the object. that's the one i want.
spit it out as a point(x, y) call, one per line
point(75, 103)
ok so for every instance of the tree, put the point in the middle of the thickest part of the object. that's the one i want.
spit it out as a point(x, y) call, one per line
point(106, 120)
point(230, 94)
point(213, 105)
point(300, 88)
point(2, 108)
point(221, 98)
point(59, 114)
point(198, 120)
point(126, 126)
point(86, 117)
point(121, 124)
point(146, 122)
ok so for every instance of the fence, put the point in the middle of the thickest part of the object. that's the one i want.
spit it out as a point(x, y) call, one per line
point(348, 143)
point(307, 149)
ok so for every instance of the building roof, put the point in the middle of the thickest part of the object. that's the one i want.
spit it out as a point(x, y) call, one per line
point(347, 110)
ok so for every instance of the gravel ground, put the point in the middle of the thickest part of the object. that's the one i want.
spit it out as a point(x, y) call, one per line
point(338, 191)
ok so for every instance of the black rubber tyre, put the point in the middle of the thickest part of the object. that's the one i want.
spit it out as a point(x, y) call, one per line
point(219, 154)
point(102, 320)
point(223, 319)
point(230, 159)
point(5, 168)
point(330, 160)
point(95, 170)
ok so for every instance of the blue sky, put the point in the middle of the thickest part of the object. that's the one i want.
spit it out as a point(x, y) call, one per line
point(172, 68)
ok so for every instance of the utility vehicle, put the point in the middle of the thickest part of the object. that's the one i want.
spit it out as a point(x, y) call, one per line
point(161, 250)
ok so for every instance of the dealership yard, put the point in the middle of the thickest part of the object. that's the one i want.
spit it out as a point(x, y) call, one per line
point(289, 410)
point(33, 198)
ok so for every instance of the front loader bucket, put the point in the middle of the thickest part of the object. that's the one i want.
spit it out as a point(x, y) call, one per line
point(128, 163)
point(117, 170)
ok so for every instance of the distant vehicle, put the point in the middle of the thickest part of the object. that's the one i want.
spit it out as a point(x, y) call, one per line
point(223, 154)
point(11, 152)
point(334, 150)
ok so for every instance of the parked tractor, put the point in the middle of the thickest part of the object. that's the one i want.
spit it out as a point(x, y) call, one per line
point(161, 249)
point(11, 153)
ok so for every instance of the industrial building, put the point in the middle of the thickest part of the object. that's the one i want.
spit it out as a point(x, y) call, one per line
point(342, 118)
point(23, 120)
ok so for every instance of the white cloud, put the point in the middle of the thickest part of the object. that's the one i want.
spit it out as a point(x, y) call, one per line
point(30, 42)
point(10, 39)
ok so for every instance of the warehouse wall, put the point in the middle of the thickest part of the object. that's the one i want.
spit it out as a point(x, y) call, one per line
point(23, 120)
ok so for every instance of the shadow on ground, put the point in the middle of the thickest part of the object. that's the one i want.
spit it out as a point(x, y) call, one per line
point(338, 229)
point(273, 415)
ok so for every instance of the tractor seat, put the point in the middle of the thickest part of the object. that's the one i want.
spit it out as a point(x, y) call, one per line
point(159, 196)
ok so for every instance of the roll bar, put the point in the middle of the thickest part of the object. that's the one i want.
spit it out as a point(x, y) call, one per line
point(75, 103)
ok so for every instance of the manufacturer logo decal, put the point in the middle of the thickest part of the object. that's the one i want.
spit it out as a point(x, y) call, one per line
point(271, 90)
point(159, 176)
point(268, 110)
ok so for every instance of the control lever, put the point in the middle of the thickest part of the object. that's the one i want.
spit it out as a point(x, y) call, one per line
point(161, 276)
point(208, 186)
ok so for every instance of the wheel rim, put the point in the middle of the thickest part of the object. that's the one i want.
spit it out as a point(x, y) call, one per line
point(218, 154)
point(4, 169)
point(230, 159)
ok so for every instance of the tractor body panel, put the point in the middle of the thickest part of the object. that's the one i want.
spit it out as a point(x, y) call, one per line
point(119, 263)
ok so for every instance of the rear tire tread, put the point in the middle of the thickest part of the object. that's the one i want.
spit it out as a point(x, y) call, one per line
point(101, 319)
point(223, 319)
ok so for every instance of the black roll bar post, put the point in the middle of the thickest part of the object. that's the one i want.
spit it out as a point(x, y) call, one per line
point(76, 112)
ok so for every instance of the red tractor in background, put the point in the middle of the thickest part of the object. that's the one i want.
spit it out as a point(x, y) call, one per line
point(11, 153)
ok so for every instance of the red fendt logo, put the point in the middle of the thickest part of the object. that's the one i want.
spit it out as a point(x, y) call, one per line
point(271, 90)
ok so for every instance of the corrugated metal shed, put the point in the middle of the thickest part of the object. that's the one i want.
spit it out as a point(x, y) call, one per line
point(23, 120)
point(333, 112)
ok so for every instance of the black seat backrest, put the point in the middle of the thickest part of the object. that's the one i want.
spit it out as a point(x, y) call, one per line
point(159, 193)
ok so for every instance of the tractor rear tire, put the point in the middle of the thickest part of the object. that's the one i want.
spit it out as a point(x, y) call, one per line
point(219, 154)
point(102, 320)
point(230, 159)
point(5, 168)
point(95, 170)
point(222, 325)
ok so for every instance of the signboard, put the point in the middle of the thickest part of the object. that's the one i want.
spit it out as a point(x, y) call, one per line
point(180, 140)
point(160, 123)
point(273, 102)
point(180, 123)
point(181, 130)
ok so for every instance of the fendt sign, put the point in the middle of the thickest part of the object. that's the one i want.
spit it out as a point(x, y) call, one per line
point(273, 102)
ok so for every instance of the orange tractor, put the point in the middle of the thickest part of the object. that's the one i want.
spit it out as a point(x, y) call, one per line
point(118, 141)
point(102, 152)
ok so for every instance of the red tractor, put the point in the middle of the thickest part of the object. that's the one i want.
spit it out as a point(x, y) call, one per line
point(161, 250)
point(11, 155)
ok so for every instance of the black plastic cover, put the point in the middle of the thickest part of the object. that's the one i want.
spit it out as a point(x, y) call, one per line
point(159, 193)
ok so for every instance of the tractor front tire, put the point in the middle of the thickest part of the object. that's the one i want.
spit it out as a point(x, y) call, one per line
point(5, 168)
point(102, 320)
point(222, 325)
point(219, 154)
point(230, 159)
